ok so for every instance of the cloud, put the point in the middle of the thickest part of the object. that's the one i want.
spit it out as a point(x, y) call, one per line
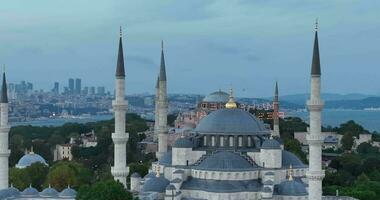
point(142, 60)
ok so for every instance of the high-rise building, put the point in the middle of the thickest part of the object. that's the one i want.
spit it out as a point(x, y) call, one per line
point(71, 85)
point(101, 90)
point(78, 85)
point(92, 90)
point(85, 91)
point(55, 89)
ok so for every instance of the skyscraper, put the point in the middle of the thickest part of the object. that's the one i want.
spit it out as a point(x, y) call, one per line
point(78, 85)
point(71, 85)
point(55, 89)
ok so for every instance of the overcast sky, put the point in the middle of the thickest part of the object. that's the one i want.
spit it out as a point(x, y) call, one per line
point(245, 44)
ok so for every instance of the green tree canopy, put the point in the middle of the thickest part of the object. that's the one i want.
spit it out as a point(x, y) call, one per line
point(104, 190)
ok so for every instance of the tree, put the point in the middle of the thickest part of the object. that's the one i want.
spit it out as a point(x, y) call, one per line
point(140, 168)
point(366, 148)
point(351, 127)
point(19, 178)
point(37, 173)
point(295, 147)
point(104, 190)
point(64, 173)
point(347, 141)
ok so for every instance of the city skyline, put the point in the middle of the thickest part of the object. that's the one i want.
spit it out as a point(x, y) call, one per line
point(237, 45)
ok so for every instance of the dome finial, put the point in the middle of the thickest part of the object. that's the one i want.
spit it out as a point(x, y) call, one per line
point(158, 169)
point(316, 24)
point(31, 150)
point(231, 104)
point(290, 172)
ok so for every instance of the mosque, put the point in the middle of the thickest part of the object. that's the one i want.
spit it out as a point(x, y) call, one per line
point(229, 155)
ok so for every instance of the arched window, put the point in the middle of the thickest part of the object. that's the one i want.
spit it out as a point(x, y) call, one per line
point(213, 141)
point(231, 138)
point(240, 141)
point(205, 140)
point(221, 141)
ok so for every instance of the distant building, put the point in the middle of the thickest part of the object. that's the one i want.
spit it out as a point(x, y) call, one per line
point(55, 89)
point(78, 86)
point(63, 152)
point(71, 85)
point(332, 140)
point(101, 90)
point(92, 90)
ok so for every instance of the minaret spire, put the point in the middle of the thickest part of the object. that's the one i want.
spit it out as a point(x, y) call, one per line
point(156, 112)
point(276, 122)
point(162, 108)
point(4, 132)
point(314, 137)
point(120, 72)
point(120, 137)
point(315, 65)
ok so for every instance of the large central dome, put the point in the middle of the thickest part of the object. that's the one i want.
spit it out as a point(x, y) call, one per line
point(217, 97)
point(231, 122)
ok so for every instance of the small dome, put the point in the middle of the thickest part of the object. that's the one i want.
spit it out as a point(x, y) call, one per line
point(225, 161)
point(30, 192)
point(269, 174)
point(30, 158)
point(231, 122)
point(178, 171)
point(289, 159)
point(170, 187)
point(49, 192)
point(217, 97)
point(291, 188)
point(150, 175)
point(13, 191)
point(183, 142)
point(270, 144)
point(268, 182)
point(135, 175)
point(177, 180)
point(68, 193)
point(166, 159)
point(156, 184)
point(267, 190)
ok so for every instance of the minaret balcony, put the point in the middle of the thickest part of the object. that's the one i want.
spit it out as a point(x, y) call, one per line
point(119, 105)
point(315, 175)
point(315, 139)
point(315, 104)
point(120, 171)
point(5, 153)
point(5, 129)
point(120, 138)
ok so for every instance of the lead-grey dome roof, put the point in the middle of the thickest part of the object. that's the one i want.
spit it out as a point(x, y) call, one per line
point(68, 193)
point(49, 192)
point(231, 121)
point(291, 188)
point(156, 184)
point(183, 142)
point(271, 144)
point(225, 161)
point(289, 158)
point(30, 192)
point(30, 158)
point(217, 97)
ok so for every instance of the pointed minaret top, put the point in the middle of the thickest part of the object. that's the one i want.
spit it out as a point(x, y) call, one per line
point(120, 58)
point(276, 93)
point(316, 66)
point(162, 76)
point(157, 83)
point(4, 90)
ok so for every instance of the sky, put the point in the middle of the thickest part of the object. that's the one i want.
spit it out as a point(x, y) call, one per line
point(209, 44)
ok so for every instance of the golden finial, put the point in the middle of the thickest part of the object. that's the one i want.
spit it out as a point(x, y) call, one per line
point(290, 173)
point(316, 24)
point(158, 170)
point(121, 32)
point(231, 104)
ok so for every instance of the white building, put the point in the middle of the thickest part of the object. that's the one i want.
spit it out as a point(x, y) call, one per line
point(63, 152)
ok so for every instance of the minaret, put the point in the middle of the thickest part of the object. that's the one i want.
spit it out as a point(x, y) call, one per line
point(276, 123)
point(4, 131)
point(120, 137)
point(156, 113)
point(162, 108)
point(314, 137)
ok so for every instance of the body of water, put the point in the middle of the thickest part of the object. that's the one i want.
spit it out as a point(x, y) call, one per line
point(369, 119)
point(61, 121)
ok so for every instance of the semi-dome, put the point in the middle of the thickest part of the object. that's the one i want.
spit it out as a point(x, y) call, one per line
point(30, 158)
point(217, 97)
point(231, 121)
point(289, 159)
point(30, 192)
point(68, 193)
point(225, 161)
point(156, 184)
point(271, 144)
point(49, 192)
point(183, 142)
point(291, 188)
